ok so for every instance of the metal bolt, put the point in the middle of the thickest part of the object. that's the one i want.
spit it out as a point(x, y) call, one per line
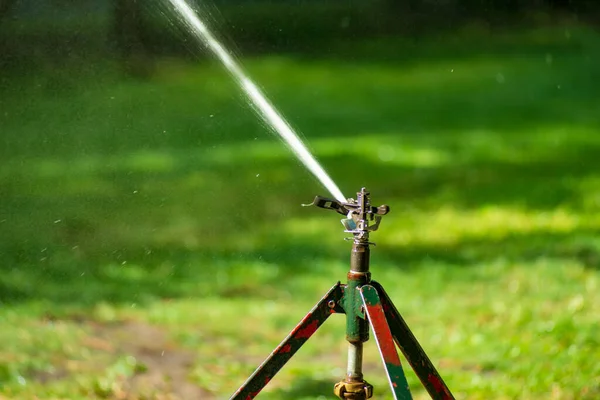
point(331, 303)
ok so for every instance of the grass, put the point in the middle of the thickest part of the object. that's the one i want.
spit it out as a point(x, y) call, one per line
point(153, 244)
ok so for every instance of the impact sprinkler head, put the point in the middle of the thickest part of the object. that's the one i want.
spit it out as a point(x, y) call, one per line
point(361, 216)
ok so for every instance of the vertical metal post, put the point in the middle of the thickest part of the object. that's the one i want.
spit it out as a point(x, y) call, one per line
point(355, 353)
point(357, 327)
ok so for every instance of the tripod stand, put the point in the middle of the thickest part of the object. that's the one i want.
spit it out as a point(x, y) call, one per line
point(365, 303)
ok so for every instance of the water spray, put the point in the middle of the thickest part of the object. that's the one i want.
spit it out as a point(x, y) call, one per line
point(366, 305)
point(260, 102)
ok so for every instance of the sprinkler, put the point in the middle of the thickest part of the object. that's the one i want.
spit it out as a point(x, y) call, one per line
point(366, 305)
point(364, 302)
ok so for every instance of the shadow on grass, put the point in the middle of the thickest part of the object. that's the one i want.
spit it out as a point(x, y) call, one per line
point(145, 190)
point(103, 250)
point(267, 270)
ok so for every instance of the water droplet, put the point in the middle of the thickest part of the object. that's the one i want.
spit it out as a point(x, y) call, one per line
point(500, 78)
point(452, 70)
point(211, 115)
point(257, 175)
point(57, 221)
point(135, 192)
point(22, 381)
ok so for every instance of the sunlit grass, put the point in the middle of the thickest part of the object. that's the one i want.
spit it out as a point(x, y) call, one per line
point(135, 207)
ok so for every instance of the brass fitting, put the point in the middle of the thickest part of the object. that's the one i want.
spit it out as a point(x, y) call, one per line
point(353, 390)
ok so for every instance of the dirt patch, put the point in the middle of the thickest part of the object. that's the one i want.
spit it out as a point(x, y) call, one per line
point(166, 367)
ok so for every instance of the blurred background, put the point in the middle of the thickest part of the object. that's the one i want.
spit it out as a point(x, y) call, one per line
point(151, 236)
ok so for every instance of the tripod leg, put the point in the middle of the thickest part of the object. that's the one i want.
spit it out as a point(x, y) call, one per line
point(328, 305)
point(412, 350)
point(385, 343)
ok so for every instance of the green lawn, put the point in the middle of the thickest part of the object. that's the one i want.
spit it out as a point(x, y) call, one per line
point(153, 243)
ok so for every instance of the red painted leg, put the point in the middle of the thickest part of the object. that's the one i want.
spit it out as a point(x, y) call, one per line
point(412, 350)
point(385, 343)
point(328, 305)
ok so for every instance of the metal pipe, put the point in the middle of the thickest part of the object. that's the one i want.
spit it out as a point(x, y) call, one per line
point(355, 355)
point(359, 260)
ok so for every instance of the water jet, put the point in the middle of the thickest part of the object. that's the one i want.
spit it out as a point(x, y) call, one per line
point(261, 104)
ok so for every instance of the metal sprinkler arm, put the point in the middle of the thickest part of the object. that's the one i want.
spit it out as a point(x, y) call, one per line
point(361, 216)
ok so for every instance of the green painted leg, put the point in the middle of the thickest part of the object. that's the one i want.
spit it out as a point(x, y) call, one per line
point(328, 305)
point(385, 343)
point(412, 350)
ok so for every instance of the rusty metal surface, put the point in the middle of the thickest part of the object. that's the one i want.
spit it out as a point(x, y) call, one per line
point(360, 256)
point(362, 390)
point(357, 327)
point(385, 343)
point(329, 304)
point(412, 350)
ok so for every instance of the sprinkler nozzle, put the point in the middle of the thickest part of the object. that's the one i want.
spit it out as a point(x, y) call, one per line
point(358, 212)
